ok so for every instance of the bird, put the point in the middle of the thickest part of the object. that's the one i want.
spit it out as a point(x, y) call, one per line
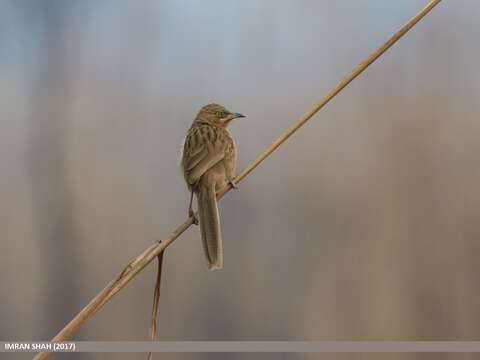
point(208, 161)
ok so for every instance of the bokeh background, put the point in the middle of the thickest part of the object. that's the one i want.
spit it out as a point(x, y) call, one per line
point(362, 226)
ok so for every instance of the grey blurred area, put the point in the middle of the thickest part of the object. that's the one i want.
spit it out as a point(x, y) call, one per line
point(362, 226)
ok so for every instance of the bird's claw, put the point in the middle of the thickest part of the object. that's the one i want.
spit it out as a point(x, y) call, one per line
point(233, 185)
point(194, 217)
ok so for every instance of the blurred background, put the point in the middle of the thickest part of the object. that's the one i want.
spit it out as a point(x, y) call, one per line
point(362, 226)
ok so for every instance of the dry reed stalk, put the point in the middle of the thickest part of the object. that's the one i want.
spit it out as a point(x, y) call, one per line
point(142, 260)
point(156, 298)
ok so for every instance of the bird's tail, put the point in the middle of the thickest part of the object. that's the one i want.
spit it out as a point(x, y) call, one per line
point(210, 227)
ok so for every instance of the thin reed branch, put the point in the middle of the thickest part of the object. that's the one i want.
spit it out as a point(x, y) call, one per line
point(142, 260)
point(156, 297)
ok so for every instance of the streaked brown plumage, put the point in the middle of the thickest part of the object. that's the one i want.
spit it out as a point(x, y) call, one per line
point(208, 163)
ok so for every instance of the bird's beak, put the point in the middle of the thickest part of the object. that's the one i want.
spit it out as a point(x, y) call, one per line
point(232, 116)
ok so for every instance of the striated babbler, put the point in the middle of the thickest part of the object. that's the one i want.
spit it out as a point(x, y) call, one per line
point(208, 163)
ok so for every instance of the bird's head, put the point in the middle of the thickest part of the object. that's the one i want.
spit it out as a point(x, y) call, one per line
point(216, 115)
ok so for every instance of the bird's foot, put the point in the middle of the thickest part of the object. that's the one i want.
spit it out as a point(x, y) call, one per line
point(194, 216)
point(233, 185)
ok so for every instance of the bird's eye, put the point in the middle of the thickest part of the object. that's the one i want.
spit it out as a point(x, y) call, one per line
point(219, 114)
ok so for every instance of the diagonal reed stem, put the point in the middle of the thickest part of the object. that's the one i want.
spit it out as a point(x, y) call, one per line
point(142, 260)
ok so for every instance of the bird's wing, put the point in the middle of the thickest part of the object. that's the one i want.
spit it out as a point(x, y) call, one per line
point(204, 148)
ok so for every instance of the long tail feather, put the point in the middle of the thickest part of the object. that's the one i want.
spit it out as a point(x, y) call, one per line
point(210, 227)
